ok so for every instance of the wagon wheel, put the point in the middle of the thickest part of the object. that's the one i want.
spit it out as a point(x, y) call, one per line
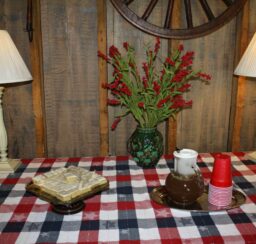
point(213, 22)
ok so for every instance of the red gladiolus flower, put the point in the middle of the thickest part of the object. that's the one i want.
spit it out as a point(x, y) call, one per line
point(169, 61)
point(156, 87)
point(113, 51)
point(187, 59)
point(157, 45)
point(141, 104)
point(145, 68)
point(124, 88)
point(181, 47)
point(188, 103)
point(113, 85)
point(126, 45)
point(118, 75)
point(116, 71)
point(145, 82)
point(204, 76)
point(184, 88)
point(163, 101)
point(180, 75)
point(113, 102)
point(115, 92)
point(179, 102)
point(162, 74)
point(115, 123)
point(103, 56)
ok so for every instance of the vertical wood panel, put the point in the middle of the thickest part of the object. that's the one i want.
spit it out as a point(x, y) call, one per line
point(239, 86)
point(17, 100)
point(205, 126)
point(37, 84)
point(71, 77)
point(171, 125)
point(103, 77)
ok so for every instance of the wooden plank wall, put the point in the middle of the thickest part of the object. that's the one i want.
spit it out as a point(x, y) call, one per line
point(69, 30)
point(205, 127)
point(238, 88)
point(73, 97)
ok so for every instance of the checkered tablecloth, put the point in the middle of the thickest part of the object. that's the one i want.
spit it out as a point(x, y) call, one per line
point(124, 213)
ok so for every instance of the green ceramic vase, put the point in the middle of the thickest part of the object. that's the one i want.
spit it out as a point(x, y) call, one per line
point(146, 146)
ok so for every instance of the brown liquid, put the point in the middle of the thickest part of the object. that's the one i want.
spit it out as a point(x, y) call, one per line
point(184, 190)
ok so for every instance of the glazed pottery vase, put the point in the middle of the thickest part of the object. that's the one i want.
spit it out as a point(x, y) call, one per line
point(146, 146)
point(185, 183)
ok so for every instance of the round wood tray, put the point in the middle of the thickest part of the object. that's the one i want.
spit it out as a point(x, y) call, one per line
point(160, 196)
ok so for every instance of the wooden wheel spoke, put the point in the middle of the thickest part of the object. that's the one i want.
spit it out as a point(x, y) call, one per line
point(207, 9)
point(228, 2)
point(149, 9)
point(127, 2)
point(188, 13)
point(167, 22)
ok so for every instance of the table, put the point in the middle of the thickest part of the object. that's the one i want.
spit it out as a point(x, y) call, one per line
point(124, 213)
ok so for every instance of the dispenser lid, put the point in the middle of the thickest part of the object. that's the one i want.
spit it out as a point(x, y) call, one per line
point(185, 153)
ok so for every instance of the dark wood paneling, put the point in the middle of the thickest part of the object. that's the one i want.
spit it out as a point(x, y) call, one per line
point(17, 100)
point(71, 77)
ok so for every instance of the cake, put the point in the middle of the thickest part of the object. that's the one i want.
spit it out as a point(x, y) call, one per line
point(68, 183)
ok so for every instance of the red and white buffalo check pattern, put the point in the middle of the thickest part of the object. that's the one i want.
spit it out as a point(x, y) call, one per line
point(125, 212)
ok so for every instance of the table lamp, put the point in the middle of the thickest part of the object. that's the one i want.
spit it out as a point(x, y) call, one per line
point(12, 70)
point(247, 67)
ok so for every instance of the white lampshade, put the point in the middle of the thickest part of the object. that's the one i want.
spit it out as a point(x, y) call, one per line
point(12, 67)
point(247, 64)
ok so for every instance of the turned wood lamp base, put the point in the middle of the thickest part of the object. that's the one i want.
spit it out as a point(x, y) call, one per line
point(6, 164)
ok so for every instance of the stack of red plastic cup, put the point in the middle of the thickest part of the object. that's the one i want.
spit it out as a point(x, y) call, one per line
point(220, 186)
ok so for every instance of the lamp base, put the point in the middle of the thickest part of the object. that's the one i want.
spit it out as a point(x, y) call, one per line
point(10, 165)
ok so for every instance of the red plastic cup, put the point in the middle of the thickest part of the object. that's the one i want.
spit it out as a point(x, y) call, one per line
point(221, 174)
point(220, 187)
point(220, 196)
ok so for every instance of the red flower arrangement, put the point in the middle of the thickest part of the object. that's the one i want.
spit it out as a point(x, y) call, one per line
point(155, 95)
